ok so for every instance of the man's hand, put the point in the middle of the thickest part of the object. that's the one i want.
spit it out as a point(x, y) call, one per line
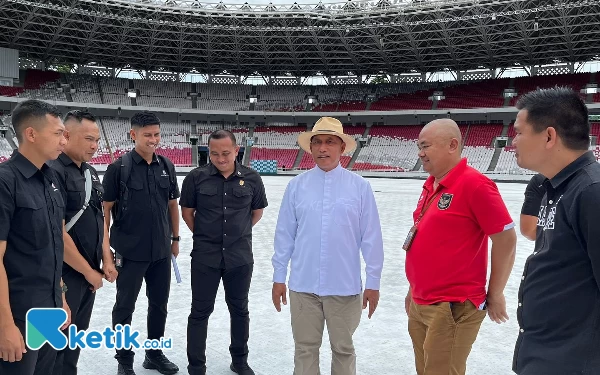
point(279, 295)
point(372, 297)
point(496, 306)
point(110, 271)
point(175, 248)
point(95, 279)
point(68, 310)
point(12, 346)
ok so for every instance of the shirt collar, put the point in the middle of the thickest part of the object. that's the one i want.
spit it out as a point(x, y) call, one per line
point(66, 160)
point(212, 170)
point(138, 159)
point(451, 178)
point(568, 171)
point(335, 171)
point(25, 166)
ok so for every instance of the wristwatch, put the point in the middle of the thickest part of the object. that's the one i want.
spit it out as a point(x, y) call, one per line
point(178, 238)
point(64, 288)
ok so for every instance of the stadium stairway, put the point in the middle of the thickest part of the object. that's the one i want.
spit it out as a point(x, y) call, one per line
point(358, 147)
point(511, 85)
point(590, 97)
point(495, 159)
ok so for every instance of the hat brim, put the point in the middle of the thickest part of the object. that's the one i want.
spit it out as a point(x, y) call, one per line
point(304, 140)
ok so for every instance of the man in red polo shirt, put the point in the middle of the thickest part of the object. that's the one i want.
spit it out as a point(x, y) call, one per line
point(447, 254)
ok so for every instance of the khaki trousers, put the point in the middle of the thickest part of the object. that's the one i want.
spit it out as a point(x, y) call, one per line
point(442, 336)
point(309, 315)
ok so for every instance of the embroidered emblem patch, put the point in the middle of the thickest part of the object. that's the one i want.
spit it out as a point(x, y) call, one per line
point(445, 201)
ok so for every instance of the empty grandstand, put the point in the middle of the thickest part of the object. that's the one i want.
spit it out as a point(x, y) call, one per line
point(267, 73)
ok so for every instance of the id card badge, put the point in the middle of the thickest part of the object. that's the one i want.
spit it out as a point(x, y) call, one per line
point(409, 238)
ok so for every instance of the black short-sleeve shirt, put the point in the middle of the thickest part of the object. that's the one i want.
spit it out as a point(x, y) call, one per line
point(534, 192)
point(31, 213)
point(88, 231)
point(559, 298)
point(143, 233)
point(223, 218)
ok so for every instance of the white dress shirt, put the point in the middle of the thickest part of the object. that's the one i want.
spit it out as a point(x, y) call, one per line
point(325, 221)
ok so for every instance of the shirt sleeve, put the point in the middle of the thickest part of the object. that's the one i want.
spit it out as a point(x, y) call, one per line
point(587, 217)
point(489, 209)
point(534, 193)
point(371, 239)
point(259, 200)
point(285, 236)
point(7, 209)
point(111, 182)
point(188, 192)
point(174, 187)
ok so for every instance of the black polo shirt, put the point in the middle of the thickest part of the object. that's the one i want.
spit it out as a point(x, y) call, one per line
point(223, 219)
point(31, 213)
point(144, 232)
point(534, 192)
point(559, 297)
point(88, 231)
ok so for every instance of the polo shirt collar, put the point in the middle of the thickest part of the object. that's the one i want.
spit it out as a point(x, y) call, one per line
point(568, 171)
point(451, 178)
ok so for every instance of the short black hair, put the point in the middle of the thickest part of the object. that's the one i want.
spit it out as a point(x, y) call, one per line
point(31, 109)
point(146, 118)
point(79, 116)
point(220, 134)
point(560, 108)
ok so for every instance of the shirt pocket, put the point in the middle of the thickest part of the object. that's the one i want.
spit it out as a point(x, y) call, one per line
point(164, 182)
point(206, 196)
point(243, 197)
point(75, 196)
point(135, 184)
point(31, 220)
point(345, 212)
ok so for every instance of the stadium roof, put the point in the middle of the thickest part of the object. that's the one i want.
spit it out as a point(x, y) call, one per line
point(358, 37)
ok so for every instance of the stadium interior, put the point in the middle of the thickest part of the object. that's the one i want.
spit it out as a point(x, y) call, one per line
point(388, 67)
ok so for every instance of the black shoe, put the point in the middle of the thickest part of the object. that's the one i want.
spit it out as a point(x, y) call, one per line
point(125, 370)
point(160, 363)
point(241, 369)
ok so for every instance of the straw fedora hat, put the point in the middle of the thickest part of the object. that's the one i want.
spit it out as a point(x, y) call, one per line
point(326, 125)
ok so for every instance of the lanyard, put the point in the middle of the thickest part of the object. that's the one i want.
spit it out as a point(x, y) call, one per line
point(424, 209)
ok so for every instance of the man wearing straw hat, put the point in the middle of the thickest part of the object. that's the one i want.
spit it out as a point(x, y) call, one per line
point(328, 216)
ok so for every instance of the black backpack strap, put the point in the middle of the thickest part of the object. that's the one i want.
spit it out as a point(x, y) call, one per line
point(124, 173)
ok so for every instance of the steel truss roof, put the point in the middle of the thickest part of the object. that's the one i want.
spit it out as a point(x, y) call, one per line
point(391, 36)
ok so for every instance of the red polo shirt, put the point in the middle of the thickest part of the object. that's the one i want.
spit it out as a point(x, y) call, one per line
point(448, 259)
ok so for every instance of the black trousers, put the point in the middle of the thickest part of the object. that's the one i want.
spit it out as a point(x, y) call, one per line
point(34, 362)
point(158, 283)
point(205, 283)
point(81, 301)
